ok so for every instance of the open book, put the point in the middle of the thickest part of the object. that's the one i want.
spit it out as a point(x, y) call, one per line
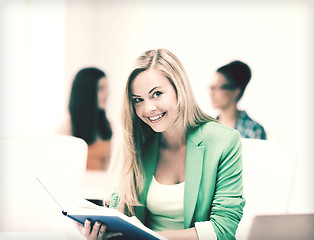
point(116, 221)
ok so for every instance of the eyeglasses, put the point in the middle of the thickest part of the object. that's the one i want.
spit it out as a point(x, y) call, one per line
point(222, 87)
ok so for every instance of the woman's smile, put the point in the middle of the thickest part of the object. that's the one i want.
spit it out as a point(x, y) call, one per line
point(156, 118)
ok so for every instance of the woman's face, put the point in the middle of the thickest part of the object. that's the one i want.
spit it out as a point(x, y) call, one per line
point(155, 100)
point(221, 93)
point(102, 93)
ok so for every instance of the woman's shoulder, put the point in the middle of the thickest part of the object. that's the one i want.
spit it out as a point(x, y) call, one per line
point(216, 128)
point(216, 132)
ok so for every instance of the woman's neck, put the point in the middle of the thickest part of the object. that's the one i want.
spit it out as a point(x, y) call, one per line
point(229, 116)
point(174, 139)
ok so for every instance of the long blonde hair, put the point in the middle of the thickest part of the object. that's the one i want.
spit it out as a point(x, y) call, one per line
point(136, 133)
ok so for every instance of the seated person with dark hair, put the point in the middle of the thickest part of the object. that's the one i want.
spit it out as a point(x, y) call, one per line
point(88, 119)
point(226, 89)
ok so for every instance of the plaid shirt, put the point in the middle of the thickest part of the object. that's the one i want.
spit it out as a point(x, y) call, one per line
point(249, 128)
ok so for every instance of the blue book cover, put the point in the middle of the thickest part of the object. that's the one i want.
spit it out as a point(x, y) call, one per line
point(80, 210)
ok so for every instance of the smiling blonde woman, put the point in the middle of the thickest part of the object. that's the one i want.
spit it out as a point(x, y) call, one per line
point(177, 169)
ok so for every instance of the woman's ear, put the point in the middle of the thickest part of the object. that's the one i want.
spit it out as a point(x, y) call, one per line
point(236, 94)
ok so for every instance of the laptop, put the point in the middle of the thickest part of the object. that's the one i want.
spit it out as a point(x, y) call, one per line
point(282, 227)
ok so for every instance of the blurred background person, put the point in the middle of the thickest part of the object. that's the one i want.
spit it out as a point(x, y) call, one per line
point(88, 119)
point(226, 89)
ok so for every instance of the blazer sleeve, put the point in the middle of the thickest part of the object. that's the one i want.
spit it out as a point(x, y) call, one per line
point(114, 200)
point(228, 203)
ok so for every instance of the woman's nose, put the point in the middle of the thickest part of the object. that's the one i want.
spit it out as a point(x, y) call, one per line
point(150, 106)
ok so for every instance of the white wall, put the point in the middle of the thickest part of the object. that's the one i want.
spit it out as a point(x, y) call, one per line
point(32, 65)
point(44, 43)
point(273, 37)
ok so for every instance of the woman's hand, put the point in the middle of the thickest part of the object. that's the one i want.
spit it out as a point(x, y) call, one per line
point(96, 232)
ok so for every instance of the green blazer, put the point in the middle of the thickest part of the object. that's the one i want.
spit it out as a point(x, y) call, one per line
point(213, 178)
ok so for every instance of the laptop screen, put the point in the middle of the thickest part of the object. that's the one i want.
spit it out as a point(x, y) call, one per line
point(282, 227)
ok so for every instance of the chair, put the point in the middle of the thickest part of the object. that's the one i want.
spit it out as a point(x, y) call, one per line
point(26, 209)
point(268, 175)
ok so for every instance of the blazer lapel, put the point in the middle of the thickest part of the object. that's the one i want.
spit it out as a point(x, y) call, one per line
point(193, 173)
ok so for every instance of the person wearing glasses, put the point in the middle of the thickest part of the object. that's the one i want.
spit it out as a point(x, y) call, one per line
point(226, 89)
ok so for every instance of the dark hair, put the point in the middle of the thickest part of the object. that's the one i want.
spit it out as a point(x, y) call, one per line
point(238, 74)
point(87, 119)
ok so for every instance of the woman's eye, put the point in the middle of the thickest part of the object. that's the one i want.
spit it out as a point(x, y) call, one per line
point(137, 100)
point(157, 94)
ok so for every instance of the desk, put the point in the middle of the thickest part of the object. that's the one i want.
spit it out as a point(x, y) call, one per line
point(31, 236)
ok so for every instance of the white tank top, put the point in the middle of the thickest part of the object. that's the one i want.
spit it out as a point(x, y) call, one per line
point(165, 204)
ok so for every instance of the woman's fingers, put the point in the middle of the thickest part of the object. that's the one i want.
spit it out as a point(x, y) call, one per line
point(101, 232)
point(87, 228)
point(95, 230)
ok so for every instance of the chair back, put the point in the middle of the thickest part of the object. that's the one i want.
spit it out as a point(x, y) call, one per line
point(59, 160)
point(268, 176)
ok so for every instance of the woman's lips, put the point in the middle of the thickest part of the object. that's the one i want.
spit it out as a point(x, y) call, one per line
point(156, 118)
